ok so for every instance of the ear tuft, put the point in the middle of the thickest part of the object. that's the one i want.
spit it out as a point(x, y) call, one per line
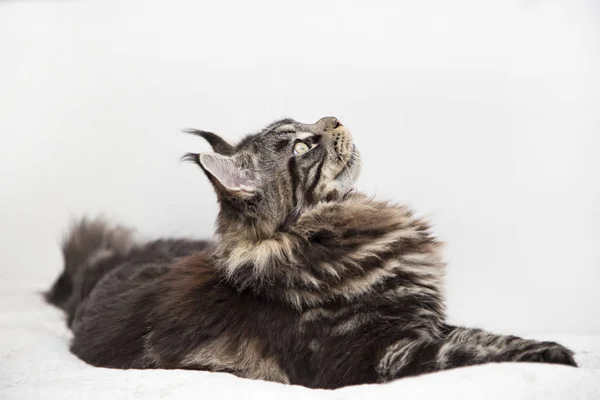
point(190, 157)
point(228, 172)
point(218, 144)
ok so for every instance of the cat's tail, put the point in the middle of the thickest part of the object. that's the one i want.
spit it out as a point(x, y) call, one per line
point(87, 242)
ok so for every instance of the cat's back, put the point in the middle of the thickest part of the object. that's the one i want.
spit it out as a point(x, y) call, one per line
point(111, 322)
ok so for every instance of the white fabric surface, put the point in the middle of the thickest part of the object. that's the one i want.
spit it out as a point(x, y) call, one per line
point(35, 363)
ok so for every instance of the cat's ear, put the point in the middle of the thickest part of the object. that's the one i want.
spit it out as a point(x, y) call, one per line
point(218, 144)
point(227, 175)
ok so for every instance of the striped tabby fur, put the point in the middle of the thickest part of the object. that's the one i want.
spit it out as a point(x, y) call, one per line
point(307, 282)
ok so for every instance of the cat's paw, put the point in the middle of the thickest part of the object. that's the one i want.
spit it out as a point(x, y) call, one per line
point(549, 352)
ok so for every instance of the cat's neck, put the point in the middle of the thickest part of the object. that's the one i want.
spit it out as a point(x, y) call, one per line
point(336, 250)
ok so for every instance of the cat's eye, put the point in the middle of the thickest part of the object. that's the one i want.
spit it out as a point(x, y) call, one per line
point(300, 148)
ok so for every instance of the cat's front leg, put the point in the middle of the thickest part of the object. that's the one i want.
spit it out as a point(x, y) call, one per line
point(412, 355)
point(458, 347)
point(465, 346)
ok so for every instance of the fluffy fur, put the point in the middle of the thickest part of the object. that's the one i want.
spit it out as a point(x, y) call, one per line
point(307, 283)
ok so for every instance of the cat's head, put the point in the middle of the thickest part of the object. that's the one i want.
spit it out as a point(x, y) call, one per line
point(269, 178)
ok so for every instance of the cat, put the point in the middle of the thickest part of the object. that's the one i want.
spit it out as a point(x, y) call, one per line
point(308, 281)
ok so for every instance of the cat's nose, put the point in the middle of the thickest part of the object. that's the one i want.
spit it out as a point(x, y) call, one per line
point(329, 123)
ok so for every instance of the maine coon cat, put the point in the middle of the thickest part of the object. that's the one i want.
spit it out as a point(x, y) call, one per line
point(307, 282)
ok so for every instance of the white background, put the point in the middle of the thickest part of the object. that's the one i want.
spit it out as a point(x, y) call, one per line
point(483, 115)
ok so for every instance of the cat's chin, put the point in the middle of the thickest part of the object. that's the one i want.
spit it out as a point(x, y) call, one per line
point(345, 181)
